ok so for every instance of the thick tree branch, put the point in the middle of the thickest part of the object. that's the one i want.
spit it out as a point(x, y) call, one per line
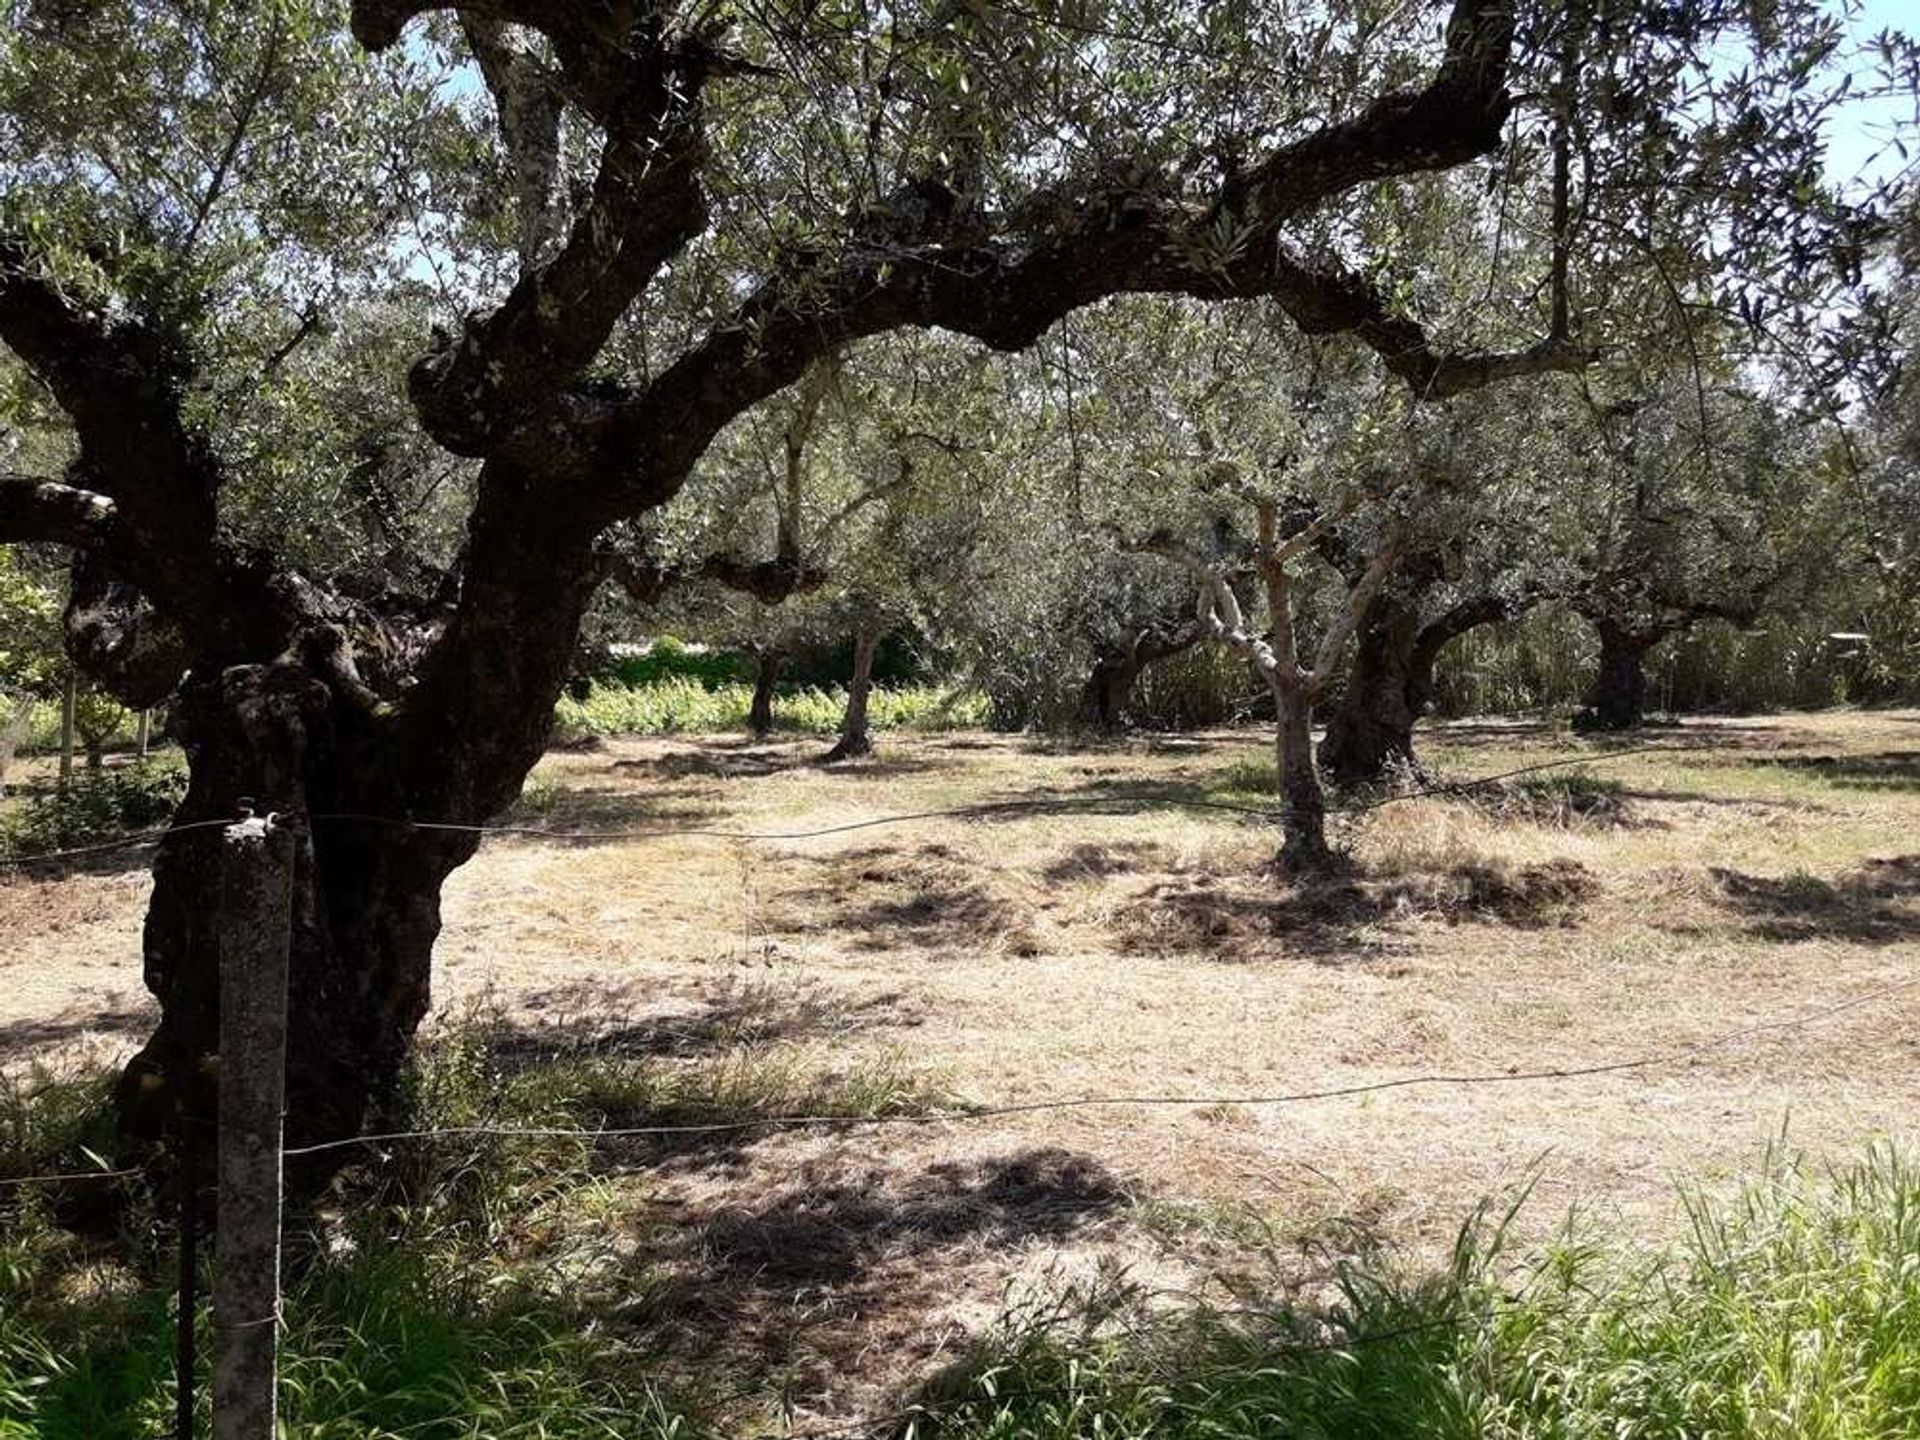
point(926, 258)
point(768, 581)
point(1469, 614)
point(39, 511)
point(504, 374)
point(121, 383)
point(1358, 598)
point(528, 101)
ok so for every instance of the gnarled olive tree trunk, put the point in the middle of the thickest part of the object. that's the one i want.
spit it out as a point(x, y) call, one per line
point(363, 724)
point(1371, 729)
point(1619, 695)
point(766, 676)
point(1108, 693)
point(1391, 683)
point(366, 902)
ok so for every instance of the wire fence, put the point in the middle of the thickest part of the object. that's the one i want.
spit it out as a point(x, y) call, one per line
point(1675, 1055)
point(255, 1325)
point(1096, 804)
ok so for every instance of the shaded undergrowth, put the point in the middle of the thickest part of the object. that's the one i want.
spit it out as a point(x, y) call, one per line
point(1792, 1311)
point(451, 1285)
point(522, 1286)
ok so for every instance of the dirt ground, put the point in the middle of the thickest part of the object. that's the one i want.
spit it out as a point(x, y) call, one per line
point(1742, 872)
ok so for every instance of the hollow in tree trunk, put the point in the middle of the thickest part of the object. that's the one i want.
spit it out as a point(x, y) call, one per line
point(766, 676)
point(855, 738)
point(1618, 698)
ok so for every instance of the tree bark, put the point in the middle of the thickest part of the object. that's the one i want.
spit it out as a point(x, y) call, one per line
point(1391, 684)
point(855, 739)
point(1303, 803)
point(1108, 693)
point(1618, 698)
point(1371, 729)
point(366, 907)
point(766, 676)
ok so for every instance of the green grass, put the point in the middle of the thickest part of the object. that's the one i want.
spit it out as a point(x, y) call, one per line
point(448, 1294)
point(1790, 1313)
point(387, 1337)
point(683, 705)
point(440, 1294)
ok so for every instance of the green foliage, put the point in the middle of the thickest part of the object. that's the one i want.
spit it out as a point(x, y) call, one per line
point(1791, 1311)
point(96, 805)
point(443, 1298)
point(97, 718)
point(670, 658)
point(53, 1119)
point(30, 658)
point(684, 705)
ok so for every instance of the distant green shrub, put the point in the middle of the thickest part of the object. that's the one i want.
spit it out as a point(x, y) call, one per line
point(685, 706)
point(96, 805)
point(671, 658)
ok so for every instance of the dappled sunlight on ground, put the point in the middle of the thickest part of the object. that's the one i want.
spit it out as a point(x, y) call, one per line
point(1733, 874)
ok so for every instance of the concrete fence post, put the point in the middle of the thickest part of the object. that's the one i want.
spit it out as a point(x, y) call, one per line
point(256, 917)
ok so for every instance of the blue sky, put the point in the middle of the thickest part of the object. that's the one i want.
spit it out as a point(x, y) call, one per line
point(1857, 141)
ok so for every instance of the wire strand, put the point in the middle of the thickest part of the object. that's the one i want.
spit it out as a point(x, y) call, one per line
point(1080, 1102)
point(1092, 803)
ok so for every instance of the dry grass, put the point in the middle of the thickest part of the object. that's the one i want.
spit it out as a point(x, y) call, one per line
point(1750, 870)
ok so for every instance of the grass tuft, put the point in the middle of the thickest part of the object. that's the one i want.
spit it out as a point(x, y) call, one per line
point(1790, 1312)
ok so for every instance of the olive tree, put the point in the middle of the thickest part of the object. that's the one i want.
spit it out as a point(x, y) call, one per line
point(677, 214)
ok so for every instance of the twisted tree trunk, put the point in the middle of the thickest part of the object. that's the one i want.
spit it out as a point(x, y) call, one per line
point(855, 739)
point(363, 757)
point(1618, 698)
point(1108, 693)
point(366, 909)
point(1371, 729)
point(1391, 684)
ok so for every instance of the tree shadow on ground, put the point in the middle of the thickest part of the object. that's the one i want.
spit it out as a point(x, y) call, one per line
point(838, 1260)
point(591, 1020)
point(1230, 790)
point(125, 857)
point(34, 1038)
point(565, 807)
point(887, 897)
point(1697, 733)
point(1873, 905)
point(746, 760)
point(1097, 859)
point(1886, 770)
point(1328, 918)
